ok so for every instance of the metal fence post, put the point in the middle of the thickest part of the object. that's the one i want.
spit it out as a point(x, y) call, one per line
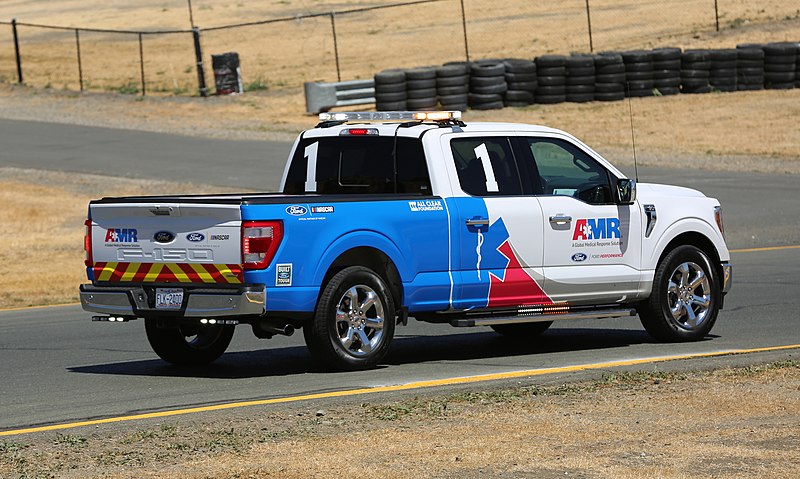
point(141, 61)
point(335, 46)
point(589, 20)
point(716, 13)
point(198, 53)
point(464, 26)
point(80, 65)
point(16, 49)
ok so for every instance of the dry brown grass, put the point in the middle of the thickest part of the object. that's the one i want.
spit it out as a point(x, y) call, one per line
point(41, 249)
point(286, 54)
point(738, 423)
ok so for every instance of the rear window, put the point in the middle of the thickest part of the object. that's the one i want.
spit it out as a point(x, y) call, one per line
point(359, 165)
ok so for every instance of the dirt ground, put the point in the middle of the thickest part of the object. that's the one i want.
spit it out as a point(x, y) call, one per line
point(729, 423)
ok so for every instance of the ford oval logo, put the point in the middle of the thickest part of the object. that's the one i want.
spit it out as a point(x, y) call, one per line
point(195, 237)
point(284, 275)
point(578, 257)
point(164, 237)
point(296, 210)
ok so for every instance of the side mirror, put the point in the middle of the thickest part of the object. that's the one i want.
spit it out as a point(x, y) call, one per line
point(625, 191)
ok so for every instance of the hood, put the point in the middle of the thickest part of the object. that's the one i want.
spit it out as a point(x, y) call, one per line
point(654, 190)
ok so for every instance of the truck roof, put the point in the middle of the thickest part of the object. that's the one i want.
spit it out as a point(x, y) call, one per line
point(392, 128)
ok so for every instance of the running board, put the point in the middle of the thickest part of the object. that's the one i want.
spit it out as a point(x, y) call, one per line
point(491, 321)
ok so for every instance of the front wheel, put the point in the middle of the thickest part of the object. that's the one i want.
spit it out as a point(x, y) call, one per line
point(354, 322)
point(188, 344)
point(683, 304)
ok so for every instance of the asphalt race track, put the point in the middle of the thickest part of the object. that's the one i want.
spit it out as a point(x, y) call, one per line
point(59, 367)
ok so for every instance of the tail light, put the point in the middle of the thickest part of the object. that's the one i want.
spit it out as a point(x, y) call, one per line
point(260, 241)
point(87, 244)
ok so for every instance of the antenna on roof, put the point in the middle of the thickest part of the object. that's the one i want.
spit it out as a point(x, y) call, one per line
point(633, 137)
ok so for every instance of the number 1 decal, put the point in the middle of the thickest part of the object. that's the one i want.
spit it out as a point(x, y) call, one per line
point(483, 154)
point(310, 154)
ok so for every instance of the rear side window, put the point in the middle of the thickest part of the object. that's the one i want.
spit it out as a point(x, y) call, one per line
point(358, 165)
point(486, 166)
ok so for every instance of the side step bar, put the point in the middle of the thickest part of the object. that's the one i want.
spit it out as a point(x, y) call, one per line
point(491, 321)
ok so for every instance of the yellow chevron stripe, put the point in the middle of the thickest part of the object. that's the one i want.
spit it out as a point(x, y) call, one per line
point(229, 275)
point(108, 270)
point(178, 272)
point(152, 275)
point(130, 272)
point(204, 275)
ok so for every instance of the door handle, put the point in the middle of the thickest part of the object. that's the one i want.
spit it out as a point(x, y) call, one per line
point(478, 222)
point(561, 219)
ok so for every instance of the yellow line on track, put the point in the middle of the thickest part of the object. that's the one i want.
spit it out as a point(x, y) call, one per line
point(398, 387)
point(23, 308)
point(768, 248)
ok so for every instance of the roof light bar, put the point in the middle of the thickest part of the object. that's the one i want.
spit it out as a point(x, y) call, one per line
point(370, 116)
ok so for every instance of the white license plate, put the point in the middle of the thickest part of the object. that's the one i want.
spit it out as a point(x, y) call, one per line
point(169, 298)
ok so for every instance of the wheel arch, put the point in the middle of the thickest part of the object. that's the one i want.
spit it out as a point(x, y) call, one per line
point(701, 242)
point(371, 258)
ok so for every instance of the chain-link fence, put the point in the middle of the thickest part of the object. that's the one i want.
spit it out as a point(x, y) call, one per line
point(356, 43)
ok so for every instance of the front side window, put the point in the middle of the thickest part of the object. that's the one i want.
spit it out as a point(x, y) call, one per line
point(564, 169)
point(486, 166)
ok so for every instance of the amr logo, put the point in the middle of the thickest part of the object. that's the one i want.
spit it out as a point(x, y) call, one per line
point(596, 228)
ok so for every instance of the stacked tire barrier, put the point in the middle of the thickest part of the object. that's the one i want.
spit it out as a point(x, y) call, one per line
point(780, 65)
point(452, 85)
point(580, 79)
point(638, 73)
point(522, 82)
point(421, 88)
point(667, 70)
point(749, 67)
point(609, 77)
point(551, 77)
point(695, 71)
point(722, 76)
point(390, 90)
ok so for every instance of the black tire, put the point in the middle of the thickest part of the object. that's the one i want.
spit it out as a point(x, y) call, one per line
point(522, 331)
point(520, 77)
point(757, 64)
point(666, 74)
point(579, 89)
point(701, 74)
point(453, 70)
point(779, 77)
point(640, 92)
point(487, 69)
point(724, 65)
point(455, 106)
point(695, 56)
point(696, 89)
point(492, 105)
point(188, 344)
point(517, 104)
point(550, 99)
point(391, 106)
point(551, 71)
point(667, 83)
point(579, 61)
point(639, 76)
point(523, 86)
point(723, 73)
point(610, 96)
point(724, 88)
point(579, 97)
point(452, 81)
point(551, 80)
point(750, 71)
point(640, 85)
point(698, 66)
point(390, 87)
point(668, 90)
point(452, 90)
point(517, 95)
point(637, 56)
point(725, 54)
point(390, 97)
point(750, 54)
point(779, 86)
point(694, 82)
point(750, 86)
point(487, 81)
point(478, 98)
point(684, 264)
point(549, 90)
point(421, 84)
point(781, 49)
point(422, 73)
point(421, 93)
point(497, 88)
point(327, 337)
point(608, 59)
point(667, 64)
point(459, 99)
point(610, 78)
point(779, 67)
point(584, 80)
point(519, 66)
point(638, 67)
point(390, 76)
point(722, 81)
point(421, 103)
point(666, 54)
point(545, 61)
point(609, 87)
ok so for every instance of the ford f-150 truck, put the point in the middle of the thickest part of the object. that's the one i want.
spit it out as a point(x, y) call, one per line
point(386, 216)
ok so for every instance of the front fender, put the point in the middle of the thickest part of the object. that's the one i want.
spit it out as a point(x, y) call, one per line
point(657, 246)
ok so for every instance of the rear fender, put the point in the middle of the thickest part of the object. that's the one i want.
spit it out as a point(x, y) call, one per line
point(359, 239)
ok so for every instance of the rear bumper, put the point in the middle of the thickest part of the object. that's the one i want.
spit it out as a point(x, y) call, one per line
point(197, 302)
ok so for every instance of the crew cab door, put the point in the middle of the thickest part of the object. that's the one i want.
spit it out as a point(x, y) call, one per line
point(496, 224)
point(592, 246)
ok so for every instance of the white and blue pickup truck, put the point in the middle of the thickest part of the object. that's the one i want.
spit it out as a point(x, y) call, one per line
point(390, 215)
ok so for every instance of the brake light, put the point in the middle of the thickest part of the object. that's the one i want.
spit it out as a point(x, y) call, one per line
point(260, 241)
point(359, 132)
point(87, 244)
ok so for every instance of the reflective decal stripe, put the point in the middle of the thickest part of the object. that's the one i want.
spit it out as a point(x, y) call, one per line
point(168, 273)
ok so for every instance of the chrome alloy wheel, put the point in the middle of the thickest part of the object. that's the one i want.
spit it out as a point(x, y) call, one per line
point(689, 296)
point(360, 320)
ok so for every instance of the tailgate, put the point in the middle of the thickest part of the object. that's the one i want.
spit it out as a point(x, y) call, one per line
point(166, 243)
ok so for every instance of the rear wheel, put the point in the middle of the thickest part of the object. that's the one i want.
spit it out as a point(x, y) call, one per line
point(683, 304)
point(523, 330)
point(188, 344)
point(354, 322)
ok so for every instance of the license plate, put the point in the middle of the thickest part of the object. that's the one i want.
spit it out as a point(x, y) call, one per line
point(169, 298)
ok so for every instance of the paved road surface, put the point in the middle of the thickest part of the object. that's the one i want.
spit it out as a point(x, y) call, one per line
point(58, 366)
